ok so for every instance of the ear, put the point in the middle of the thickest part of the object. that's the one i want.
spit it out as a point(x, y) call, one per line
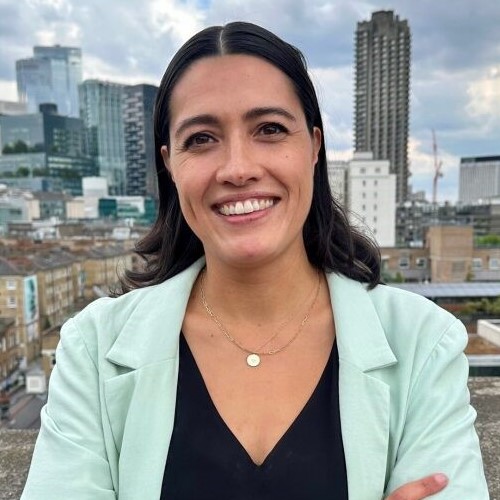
point(166, 158)
point(316, 137)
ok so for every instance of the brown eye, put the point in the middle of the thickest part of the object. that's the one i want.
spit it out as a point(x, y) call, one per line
point(272, 129)
point(197, 140)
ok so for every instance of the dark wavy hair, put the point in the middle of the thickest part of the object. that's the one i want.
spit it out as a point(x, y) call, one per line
point(171, 246)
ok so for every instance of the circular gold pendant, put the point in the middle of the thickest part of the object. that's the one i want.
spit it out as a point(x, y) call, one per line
point(253, 360)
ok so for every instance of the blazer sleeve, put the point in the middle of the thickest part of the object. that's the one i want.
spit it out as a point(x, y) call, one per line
point(70, 460)
point(439, 434)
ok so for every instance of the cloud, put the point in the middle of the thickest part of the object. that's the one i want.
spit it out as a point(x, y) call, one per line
point(334, 89)
point(8, 90)
point(484, 100)
point(455, 57)
point(179, 20)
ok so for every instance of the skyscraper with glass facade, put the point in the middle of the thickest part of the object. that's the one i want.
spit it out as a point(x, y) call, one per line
point(101, 109)
point(52, 75)
point(45, 145)
point(382, 87)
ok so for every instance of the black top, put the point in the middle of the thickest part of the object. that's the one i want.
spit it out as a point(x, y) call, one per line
point(206, 462)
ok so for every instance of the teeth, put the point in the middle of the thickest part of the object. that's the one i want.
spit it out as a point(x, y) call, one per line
point(245, 207)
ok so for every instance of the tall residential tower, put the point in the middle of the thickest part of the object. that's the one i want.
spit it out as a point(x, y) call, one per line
point(382, 89)
point(138, 105)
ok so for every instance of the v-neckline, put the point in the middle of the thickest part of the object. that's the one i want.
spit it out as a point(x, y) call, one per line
point(227, 430)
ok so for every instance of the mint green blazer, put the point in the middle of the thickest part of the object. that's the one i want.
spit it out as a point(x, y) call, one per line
point(404, 402)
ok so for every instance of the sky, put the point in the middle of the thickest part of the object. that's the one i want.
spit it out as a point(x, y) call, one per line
point(455, 70)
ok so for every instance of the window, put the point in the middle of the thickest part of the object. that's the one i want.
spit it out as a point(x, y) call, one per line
point(11, 285)
point(11, 302)
point(404, 263)
point(494, 263)
point(421, 262)
point(375, 182)
point(477, 264)
point(458, 267)
point(385, 262)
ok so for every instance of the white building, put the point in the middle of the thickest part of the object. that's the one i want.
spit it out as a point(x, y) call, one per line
point(13, 108)
point(17, 206)
point(95, 187)
point(337, 177)
point(371, 197)
point(479, 179)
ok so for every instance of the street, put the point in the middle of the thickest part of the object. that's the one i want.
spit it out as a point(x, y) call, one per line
point(24, 411)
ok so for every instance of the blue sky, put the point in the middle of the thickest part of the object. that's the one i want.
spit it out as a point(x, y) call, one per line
point(455, 59)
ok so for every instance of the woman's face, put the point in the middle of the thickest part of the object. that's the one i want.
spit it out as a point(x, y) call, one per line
point(242, 159)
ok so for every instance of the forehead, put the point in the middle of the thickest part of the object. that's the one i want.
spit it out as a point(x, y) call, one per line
point(230, 83)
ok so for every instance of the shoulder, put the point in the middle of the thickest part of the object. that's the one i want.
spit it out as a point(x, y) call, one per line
point(415, 327)
point(406, 311)
point(102, 321)
point(387, 319)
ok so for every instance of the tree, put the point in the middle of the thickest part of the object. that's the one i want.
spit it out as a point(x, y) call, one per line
point(489, 240)
point(23, 172)
point(20, 147)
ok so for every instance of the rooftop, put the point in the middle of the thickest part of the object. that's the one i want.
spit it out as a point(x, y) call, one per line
point(457, 290)
point(16, 446)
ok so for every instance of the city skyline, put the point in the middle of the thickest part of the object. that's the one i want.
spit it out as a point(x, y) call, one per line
point(455, 60)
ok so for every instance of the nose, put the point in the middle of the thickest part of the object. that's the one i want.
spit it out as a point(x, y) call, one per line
point(239, 165)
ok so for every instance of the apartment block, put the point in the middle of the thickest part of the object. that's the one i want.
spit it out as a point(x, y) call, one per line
point(9, 353)
point(19, 302)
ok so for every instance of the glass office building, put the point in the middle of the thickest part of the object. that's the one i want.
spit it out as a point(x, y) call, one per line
point(52, 75)
point(101, 109)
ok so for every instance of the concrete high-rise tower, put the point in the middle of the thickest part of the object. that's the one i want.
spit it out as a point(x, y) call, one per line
point(382, 90)
point(51, 76)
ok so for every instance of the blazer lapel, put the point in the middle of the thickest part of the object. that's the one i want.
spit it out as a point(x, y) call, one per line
point(364, 398)
point(140, 400)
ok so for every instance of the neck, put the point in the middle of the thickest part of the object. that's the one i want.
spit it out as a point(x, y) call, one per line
point(262, 295)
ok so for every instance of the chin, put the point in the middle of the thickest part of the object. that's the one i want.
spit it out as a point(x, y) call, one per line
point(248, 255)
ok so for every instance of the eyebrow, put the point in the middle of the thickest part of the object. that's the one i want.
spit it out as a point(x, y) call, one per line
point(207, 119)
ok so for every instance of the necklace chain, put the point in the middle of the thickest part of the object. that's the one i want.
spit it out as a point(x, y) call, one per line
point(254, 355)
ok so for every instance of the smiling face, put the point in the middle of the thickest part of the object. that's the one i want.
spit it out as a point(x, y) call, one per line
point(242, 159)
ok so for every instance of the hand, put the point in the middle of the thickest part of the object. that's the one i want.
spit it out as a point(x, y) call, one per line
point(418, 490)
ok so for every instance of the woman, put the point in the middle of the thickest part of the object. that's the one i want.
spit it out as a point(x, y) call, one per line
point(256, 356)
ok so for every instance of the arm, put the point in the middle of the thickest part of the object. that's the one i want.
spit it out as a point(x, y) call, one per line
point(70, 460)
point(439, 434)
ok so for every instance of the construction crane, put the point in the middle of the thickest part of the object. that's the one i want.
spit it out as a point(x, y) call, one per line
point(437, 168)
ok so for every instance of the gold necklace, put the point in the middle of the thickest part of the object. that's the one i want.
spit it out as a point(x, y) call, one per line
point(253, 356)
